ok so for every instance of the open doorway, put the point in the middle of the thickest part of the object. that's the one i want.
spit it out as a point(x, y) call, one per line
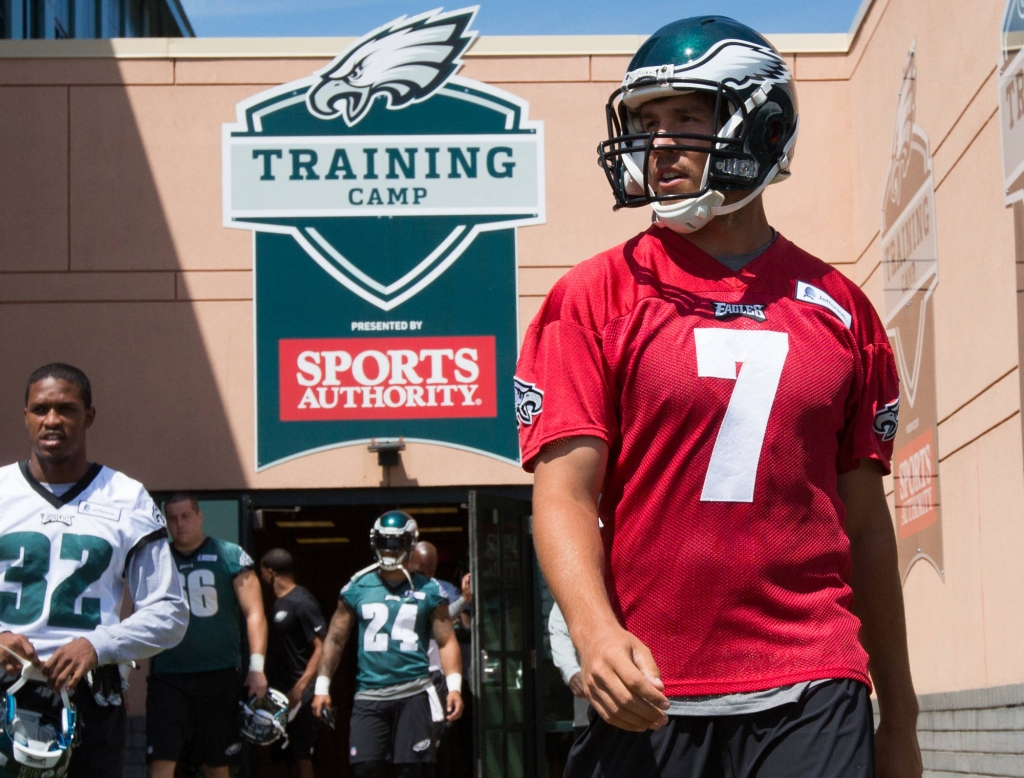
point(329, 544)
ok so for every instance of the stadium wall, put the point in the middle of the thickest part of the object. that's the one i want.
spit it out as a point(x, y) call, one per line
point(114, 257)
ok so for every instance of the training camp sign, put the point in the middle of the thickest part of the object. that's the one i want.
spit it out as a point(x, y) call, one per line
point(384, 193)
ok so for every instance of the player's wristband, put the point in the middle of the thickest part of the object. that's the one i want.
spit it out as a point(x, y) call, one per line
point(322, 687)
point(454, 681)
point(255, 663)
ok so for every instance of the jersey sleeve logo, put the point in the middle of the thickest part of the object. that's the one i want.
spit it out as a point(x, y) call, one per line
point(887, 420)
point(806, 293)
point(529, 401)
point(247, 561)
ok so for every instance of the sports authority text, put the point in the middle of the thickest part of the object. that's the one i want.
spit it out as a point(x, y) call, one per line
point(387, 378)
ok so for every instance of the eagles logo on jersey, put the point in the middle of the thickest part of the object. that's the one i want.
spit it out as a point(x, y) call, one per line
point(887, 420)
point(529, 401)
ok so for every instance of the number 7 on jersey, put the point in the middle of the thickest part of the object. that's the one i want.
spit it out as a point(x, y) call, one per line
point(734, 459)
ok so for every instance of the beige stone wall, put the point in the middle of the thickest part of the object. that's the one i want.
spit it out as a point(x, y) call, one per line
point(112, 256)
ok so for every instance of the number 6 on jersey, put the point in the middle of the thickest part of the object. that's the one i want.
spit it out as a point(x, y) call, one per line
point(734, 459)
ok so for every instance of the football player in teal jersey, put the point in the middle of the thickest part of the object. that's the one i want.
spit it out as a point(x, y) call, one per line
point(194, 687)
point(397, 613)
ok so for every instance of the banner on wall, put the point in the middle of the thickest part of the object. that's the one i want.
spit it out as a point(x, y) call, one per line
point(910, 273)
point(1011, 100)
point(384, 193)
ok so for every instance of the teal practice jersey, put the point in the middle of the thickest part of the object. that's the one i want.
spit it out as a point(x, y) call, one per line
point(394, 627)
point(213, 640)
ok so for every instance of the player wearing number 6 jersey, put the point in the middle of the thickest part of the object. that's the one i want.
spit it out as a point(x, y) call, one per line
point(75, 538)
point(732, 401)
point(194, 687)
point(396, 703)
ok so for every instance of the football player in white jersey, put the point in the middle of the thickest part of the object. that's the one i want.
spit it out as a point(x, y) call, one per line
point(75, 538)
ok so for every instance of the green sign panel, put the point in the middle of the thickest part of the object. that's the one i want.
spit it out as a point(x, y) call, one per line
point(384, 193)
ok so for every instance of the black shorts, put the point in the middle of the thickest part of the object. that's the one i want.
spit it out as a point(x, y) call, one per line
point(302, 733)
point(100, 754)
point(397, 731)
point(101, 730)
point(827, 733)
point(193, 718)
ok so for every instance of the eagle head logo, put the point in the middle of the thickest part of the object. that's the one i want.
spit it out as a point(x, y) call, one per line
point(404, 62)
point(529, 401)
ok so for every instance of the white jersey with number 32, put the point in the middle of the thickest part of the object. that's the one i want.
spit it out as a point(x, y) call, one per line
point(63, 559)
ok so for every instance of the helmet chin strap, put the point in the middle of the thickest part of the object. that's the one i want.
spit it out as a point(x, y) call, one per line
point(377, 565)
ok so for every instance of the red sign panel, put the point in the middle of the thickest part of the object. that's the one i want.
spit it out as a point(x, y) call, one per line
point(340, 379)
point(914, 479)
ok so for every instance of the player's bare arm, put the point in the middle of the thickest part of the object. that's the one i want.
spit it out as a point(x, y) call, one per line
point(296, 692)
point(451, 656)
point(878, 603)
point(69, 664)
point(330, 656)
point(620, 678)
point(250, 600)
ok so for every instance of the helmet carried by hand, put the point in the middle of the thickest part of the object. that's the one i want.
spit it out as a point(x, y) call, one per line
point(36, 737)
point(263, 721)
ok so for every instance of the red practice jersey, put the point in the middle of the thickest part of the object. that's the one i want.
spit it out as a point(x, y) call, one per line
point(730, 402)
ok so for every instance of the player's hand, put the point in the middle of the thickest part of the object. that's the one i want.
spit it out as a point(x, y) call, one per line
point(69, 664)
point(576, 685)
point(256, 683)
point(454, 706)
point(21, 646)
point(467, 588)
point(621, 680)
point(897, 754)
point(321, 702)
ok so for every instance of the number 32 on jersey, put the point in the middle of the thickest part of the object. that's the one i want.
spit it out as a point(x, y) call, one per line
point(737, 452)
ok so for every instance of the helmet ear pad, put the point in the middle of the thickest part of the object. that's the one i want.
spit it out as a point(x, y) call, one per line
point(771, 128)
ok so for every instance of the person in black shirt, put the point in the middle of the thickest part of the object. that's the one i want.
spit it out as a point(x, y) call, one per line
point(297, 628)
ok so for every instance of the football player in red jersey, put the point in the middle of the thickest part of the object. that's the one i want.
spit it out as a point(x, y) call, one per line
point(709, 411)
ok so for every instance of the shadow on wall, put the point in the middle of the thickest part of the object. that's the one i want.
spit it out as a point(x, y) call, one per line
point(90, 273)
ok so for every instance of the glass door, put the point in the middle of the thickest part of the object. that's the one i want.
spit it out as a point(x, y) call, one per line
point(501, 558)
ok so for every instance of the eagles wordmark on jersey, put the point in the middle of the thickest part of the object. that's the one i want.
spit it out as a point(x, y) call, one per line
point(64, 559)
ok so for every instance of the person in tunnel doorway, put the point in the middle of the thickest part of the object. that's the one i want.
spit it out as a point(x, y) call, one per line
point(192, 699)
point(567, 659)
point(709, 412)
point(75, 538)
point(296, 642)
point(424, 562)
point(396, 704)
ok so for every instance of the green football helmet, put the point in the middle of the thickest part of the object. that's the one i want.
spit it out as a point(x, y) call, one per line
point(393, 535)
point(755, 106)
point(36, 741)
